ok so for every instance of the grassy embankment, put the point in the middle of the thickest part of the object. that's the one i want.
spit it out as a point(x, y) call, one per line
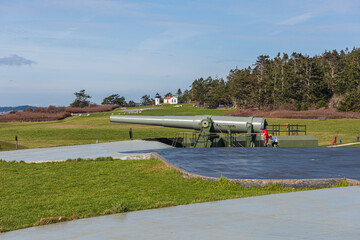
point(29, 192)
point(326, 130)
point(79, 189)
point(87, 129)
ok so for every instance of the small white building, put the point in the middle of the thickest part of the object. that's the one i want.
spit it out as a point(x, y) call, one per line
point(157, 99)
point(167, 100)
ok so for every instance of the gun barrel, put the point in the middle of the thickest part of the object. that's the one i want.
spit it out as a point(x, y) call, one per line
point(220, 123)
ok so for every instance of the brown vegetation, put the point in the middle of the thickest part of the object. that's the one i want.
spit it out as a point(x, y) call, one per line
point(91, 109)
point(52, 113)
point(73, 126)
point(33, 116)
point(309, 114)
point(50, 220)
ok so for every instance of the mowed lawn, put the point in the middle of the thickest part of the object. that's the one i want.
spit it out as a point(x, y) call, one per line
point(33, 194)
point(326, 130)
point(97, 127)
point(86, 129)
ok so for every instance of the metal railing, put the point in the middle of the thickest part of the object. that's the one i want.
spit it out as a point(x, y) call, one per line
point(288, 129)
point(185, 138)
point(188, 139)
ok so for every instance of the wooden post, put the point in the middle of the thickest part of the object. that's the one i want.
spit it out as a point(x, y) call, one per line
point(130, 134)
point(16, 140)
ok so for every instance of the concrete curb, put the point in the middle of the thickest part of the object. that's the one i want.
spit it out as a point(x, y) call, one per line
point(294, 183)
point(143, 156)
point(345, 144)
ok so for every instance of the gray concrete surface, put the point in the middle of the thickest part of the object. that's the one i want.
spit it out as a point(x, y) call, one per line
point(112, 149)
point(292, 183)
point(320, 214)
point(268, 163)
point(345, 144)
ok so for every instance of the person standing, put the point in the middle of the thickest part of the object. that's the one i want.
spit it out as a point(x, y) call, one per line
point(266, 135)
point(274, 141)
point(130, 134)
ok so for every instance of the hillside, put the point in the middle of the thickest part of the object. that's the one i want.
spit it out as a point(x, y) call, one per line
point(321, 114)
point(94, 127)
point(6, 110)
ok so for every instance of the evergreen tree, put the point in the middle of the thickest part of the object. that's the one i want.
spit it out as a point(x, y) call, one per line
point(81, 100)
point(299, 79)
point(114, 99)
point(146, 100)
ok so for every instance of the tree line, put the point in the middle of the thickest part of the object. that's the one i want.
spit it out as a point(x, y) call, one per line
point(82, 99)
point(332, 78)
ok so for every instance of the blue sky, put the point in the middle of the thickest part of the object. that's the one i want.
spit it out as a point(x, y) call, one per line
point(50, 49)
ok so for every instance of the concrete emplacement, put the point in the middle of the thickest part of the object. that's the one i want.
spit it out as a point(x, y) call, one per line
point(117, 150)
point(320, 214)
point(209, 126)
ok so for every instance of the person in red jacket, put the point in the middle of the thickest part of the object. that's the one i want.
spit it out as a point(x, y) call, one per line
point(266, 135)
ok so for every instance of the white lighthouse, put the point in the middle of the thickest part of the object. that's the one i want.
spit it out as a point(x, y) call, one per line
point(157, 99)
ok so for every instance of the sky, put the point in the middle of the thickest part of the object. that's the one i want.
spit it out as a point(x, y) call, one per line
point(50, 49)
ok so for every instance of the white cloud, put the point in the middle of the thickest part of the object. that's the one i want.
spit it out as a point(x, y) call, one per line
point(15, 60)
point(297, 19)
point(166, 39)
point(100, 7)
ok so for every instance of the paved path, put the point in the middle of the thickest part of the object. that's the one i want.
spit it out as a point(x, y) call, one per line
point(112, 149)
point(321, 214)
point(345, 144)
point(268, 163)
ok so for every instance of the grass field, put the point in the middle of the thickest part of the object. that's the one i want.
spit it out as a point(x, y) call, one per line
point(36, 194)
point(326, 130)
point(41, 193)
point(87, 129)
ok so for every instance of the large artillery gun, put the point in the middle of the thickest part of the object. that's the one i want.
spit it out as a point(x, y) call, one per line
point(209, 128)
point(219, 131)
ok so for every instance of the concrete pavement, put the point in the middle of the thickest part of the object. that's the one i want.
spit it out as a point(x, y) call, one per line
point(111, 149)
point(320, 214)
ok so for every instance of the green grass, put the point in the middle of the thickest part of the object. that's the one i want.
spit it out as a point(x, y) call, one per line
point(87, 129)
point(186, 110)
point(5, 146)
point(326, 130)
point(79, 189)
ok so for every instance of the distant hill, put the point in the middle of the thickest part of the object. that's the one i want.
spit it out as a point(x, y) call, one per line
point(18, 108)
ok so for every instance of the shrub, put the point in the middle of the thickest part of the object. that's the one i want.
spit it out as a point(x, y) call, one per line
point(321, 104)
point(51, 113)
point(97, 108)
point(306, 106)
point(33, 116)
point(350, 103)
point(28, 110)
point(287, 107)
